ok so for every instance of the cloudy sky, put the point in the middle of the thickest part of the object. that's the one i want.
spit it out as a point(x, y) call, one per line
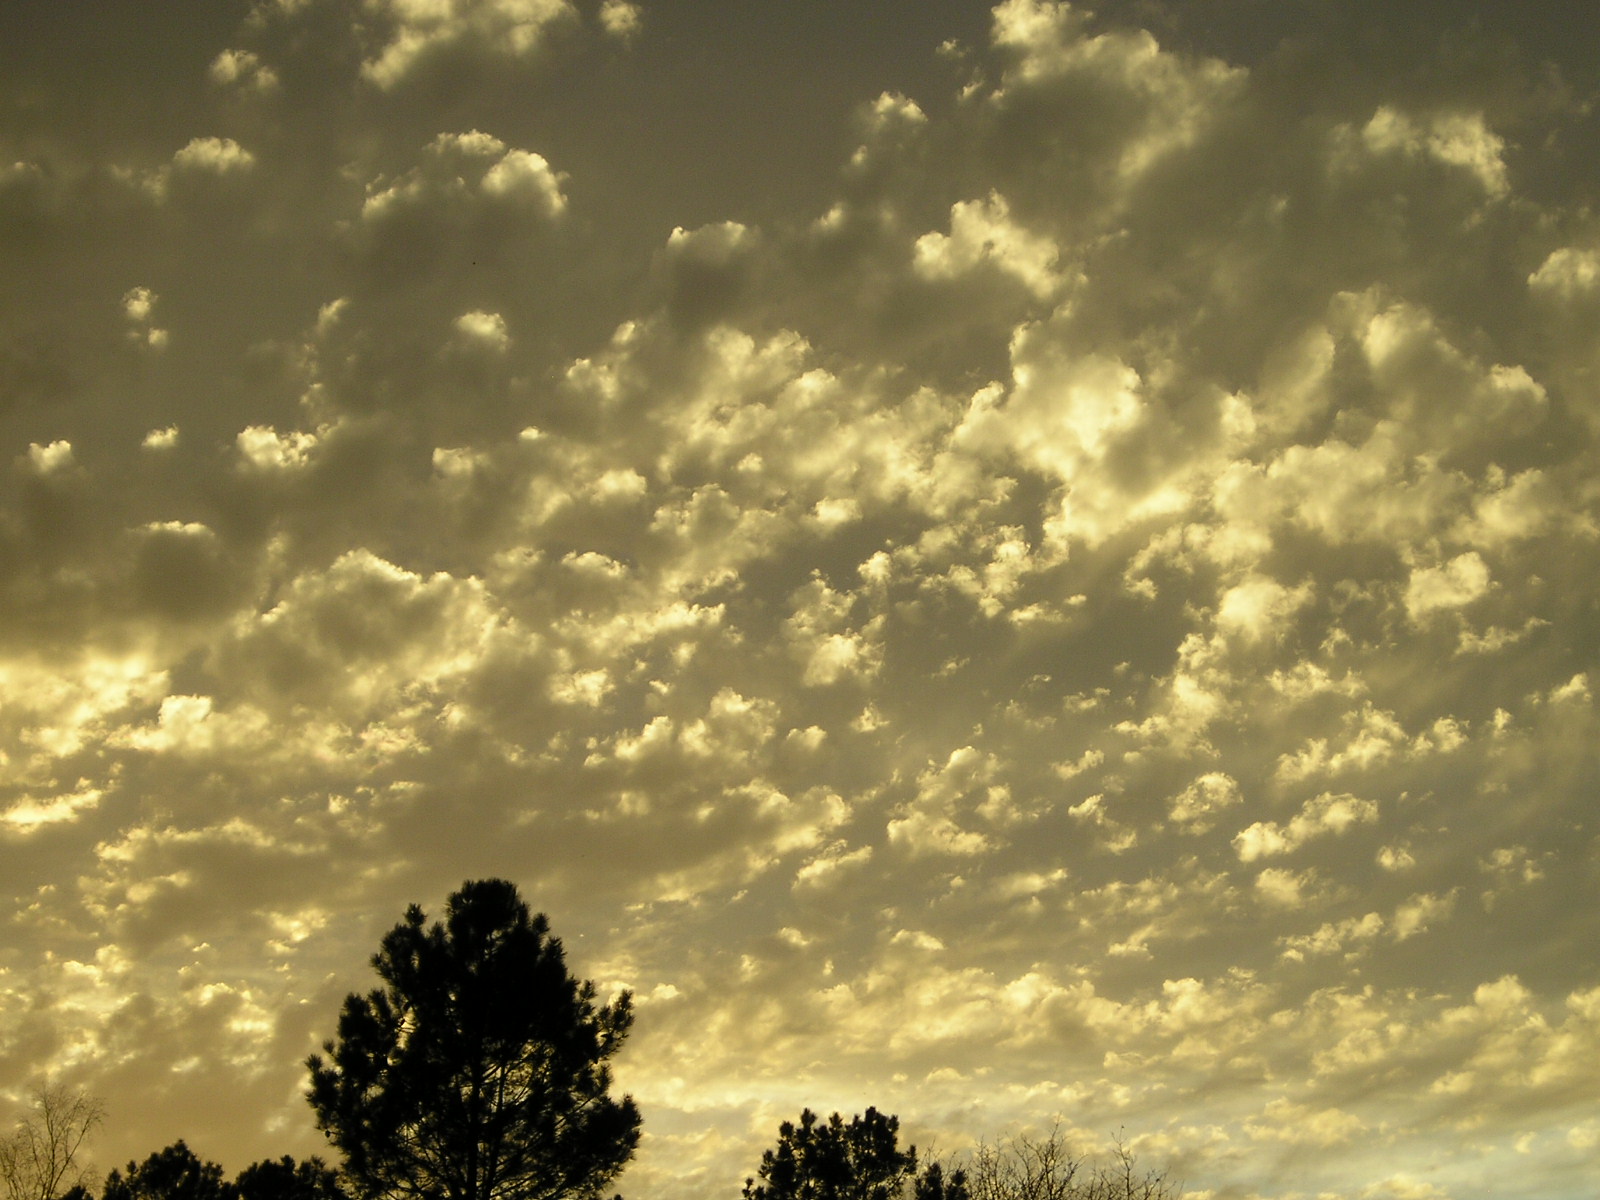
point(1014, 566)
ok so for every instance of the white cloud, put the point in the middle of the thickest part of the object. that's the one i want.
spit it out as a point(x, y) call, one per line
point(1198, 806)
point(1569, 273)
point(424, 28)
point(265, 449)
point(242, 69)
point(214, 155)
point(1346, 937)
point(1157, 103)
point(484, 328)
point(137, 303)
point(1454, 138)
point(1285, 1121)
point(1282, 888)
point(54, 458)
point(1319, 816)
point(161, 439)
point(983, 233)
point(1403, 1187)
point(1451, 585)
point(1256, 608)
point(465, 184)
point(524, 175)
point(29, 813)
point(620, 18)
point(1420, 913)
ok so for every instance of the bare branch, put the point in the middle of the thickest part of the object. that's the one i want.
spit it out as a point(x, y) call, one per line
point(41, 1160)
point(1046, 1168)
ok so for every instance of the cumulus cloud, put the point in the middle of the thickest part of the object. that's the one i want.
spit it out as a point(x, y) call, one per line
point(417, 31)
point(982, 233)
point(242, 69)
point(1458, 139)
point(1318, 817)
point(215, 155)
point(1197, 807)
point(510, 175)
point(620, 18)
point(1457, 582)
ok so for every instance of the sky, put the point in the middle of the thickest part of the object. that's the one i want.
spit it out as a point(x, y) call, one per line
point(1030, 567)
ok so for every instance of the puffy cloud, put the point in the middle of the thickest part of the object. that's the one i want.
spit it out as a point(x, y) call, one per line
point(1198, 806)
point(361, 630)
point(486, 329)
point(1255, 607)
point(1457, 139)
point(932, 822)
point(1152, 103)
point(526, 176)
point(161, 439)
point(1319, 816)
point(265, 449)
point(982, 233)
point(242, 69)
point(620, 18)
point(1455, 583)
point(1279, 887)
point(29, 812)
point(1347, 937)
point(1420, 912)
point(419, 31)
point(56, 458)
point(1404, 1187)
point(518, 178)
point(214, 155)
point(1568, 273)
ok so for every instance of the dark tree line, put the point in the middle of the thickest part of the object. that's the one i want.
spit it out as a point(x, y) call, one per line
point(861, 1160)
point(478, 1070)
point(829, 1160)
point(177, 1173)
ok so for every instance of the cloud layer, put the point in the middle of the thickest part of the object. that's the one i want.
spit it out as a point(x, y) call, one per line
point(1091, 621)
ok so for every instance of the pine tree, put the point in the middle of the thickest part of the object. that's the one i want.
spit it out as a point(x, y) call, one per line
point(478, 1070)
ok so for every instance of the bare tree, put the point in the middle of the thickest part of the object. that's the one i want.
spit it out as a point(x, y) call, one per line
point(1046, 1168)
point(40, 1160)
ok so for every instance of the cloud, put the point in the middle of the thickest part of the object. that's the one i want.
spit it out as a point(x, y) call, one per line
point(484, 329)
point(1081, 611)
point(1319, 816)
point(213, 155)
point(519, 179)
point(1457, 582)
point(242, 69)
point(1421, 911)
point(1198, 805)
point(1346, 937)
point(621, 19)
point(1283, 1120)
point(982, 233)
point(524, 175)
point(417, 32)
point(1570, 273)
point(1457, 139)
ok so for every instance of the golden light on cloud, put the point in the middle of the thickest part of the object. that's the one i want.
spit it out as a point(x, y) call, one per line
point(1030, 568)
